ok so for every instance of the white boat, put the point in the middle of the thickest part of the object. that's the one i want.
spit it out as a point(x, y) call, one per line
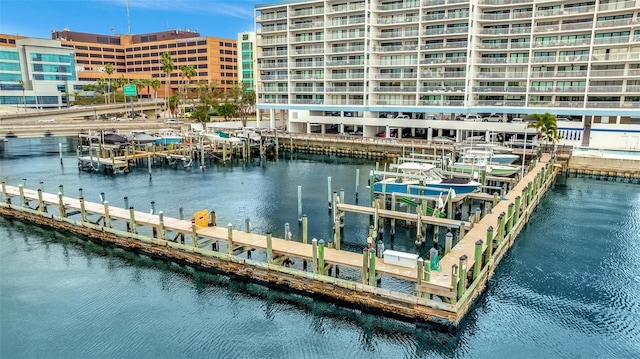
point(482, 165)
point(499, 158)
point(141, 137)
point(412, 175)
point(221, 137)
point(167, 136)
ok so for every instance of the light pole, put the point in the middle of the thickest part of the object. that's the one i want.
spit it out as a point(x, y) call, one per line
point(524, 151)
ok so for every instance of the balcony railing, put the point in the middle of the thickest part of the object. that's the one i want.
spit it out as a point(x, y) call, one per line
point(345, 89)
point(345, 62)
point(347, 76)
point(439, 74)
point(395, 20)
point(306, 25)
point(307, 101)
point(606, 73)
point(273, 65)
point(306, 64)
point(347, 49)
point(273, 78)
point(502, 2)
point(343, 8)
point(617, 5)
point(395, 48)
point(411, 75)
point(610, 40)
point(407, 5)
point(605, 89)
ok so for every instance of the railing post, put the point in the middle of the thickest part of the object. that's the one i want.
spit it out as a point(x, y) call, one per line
point(305, 224)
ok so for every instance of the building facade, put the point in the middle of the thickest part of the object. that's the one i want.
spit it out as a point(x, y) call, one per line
point(36, 73)
point(247, 58)
point(370, 58)
point(139, 57)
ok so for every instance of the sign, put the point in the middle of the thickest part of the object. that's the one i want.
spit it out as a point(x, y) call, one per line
point(201, 219)
point(130, 90)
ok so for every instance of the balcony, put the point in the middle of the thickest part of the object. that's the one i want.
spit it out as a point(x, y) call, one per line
point(611, 40)
point(395, 48)
point(605, 89)
point(306, 64)
point(607, 73)
point(440, 74)
point(395, 89)
point(395, 20)
point(268, 29)
point(341, 49)
point(342, 76)
point(308, 89)
point(274, 41)
point(305, 12)
point(407, 5)
point(345, 89)
point(617, 6)
point(409, 75)
point(488, 46)
point(346, 8)
point(276, 65)
point(273, 78)
point(495, 16)
point(274, 53)
point(307, 101)
point(307, 51)
point(345, 62)
point(306, 25)
point(502, 2)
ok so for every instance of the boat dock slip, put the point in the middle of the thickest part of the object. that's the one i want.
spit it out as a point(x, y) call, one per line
point(442, 297)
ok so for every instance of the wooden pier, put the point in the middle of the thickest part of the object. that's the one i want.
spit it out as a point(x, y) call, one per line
point(441, 297)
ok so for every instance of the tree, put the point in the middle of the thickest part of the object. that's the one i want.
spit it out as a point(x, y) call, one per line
point(108, 69)
point(227, 110)
point(155, 85)
point(172, 103)
point(244, 99)
point(188, 72)
point(101, 84)
point(546, 126)
point(167, 68)
point(24, 99)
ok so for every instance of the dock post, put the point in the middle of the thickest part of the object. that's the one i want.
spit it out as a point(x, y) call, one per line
point(21, 189)
point(181, 216)
point(419, 229)
point(420, 272)
point(299, 203)
point(462, 230)
point(247, 225)
point(357, 182)
point(517, 210)
point(454, 283)
point(161, 225)
point(149, 162)
point(269, 248)
point(500, 228)
point(321, 257)
point(42, 186)
point(509, 217)
point(341, 195)
point(132, 220)
point(60, 151)
point(287, 232)
point(61, 189)
point(495, 199)
point(83, 212)
point(489, 244)
point(334, 202)
point(462, 275)
point(229, 239)
point(329, 192)
point(450, 213)
point(194, 234)
point(478, 215)
point(153, 207)
point(365, 265)
point(80, 193)
point(336, 233)
point(126, 202)
point(477, 257)
point(314, 250)
point(63, 212)
point(448, 242)
point(107, 219)
point(40, 202)
point(426, 267)
point(305, 223)
point(371, 179)
point(4, 192)
point(372, 267)
point(436, 234)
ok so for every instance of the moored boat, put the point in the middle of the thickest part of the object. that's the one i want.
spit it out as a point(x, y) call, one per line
point(167, 136)
point(423, 179)
point(142, 137)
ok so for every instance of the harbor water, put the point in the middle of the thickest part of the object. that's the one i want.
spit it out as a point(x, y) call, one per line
point(569, 287)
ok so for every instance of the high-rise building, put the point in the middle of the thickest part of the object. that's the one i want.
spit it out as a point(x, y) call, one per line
point(36, 73)
point(370, 58)
point(139, 57)
point(246, 58)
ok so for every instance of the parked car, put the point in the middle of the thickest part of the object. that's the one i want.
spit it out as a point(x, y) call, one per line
point(173, 121)
point(47, 120)
point(383, 134)
point(469, 117)
point(493, 118)
point(562, 118)
point(443, 139)
point(403, 116)
point(140, 115)
point(516, 120)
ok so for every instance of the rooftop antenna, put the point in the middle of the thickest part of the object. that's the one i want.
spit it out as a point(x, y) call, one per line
point(128, 20)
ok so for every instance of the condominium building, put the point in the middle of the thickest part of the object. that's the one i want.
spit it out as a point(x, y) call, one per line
point(369, 58)
point(246, 58)
point(35, 73)
point(139, 57)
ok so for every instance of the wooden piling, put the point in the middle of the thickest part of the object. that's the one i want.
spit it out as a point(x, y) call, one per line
point(372, 267)
point(229, 239)
point(314, 252)
point(321, 257)
point(365, 265)
point(21, 190)
point(161, 226)
point(304, 228)
point(509, 218)
point(477, 257)
point(489, 244)
point(107, 218)
point(448, 242)
point(269, 248)
point(462, 275)
point(132, 220)
point(454, 283)
point(40, 202)
point(83, 212)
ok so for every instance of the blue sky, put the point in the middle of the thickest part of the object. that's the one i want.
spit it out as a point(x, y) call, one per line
point(36, 18)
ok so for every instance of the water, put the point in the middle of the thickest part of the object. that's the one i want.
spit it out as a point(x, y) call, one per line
point(570, 286)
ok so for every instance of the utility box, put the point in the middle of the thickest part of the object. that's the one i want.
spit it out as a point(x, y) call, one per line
point(400, 258)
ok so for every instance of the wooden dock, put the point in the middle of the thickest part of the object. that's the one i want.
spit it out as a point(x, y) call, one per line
point(442, 297)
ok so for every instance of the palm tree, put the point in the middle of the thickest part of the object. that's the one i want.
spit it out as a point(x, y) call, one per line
point(108, 69)
point(155, 85)
point(24, 100)
point(100, 88)
point(546, 126)
point(167, 68)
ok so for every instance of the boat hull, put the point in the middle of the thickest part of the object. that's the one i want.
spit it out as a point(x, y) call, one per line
point(434, 189)
point(499, 171)
point(168, 140)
